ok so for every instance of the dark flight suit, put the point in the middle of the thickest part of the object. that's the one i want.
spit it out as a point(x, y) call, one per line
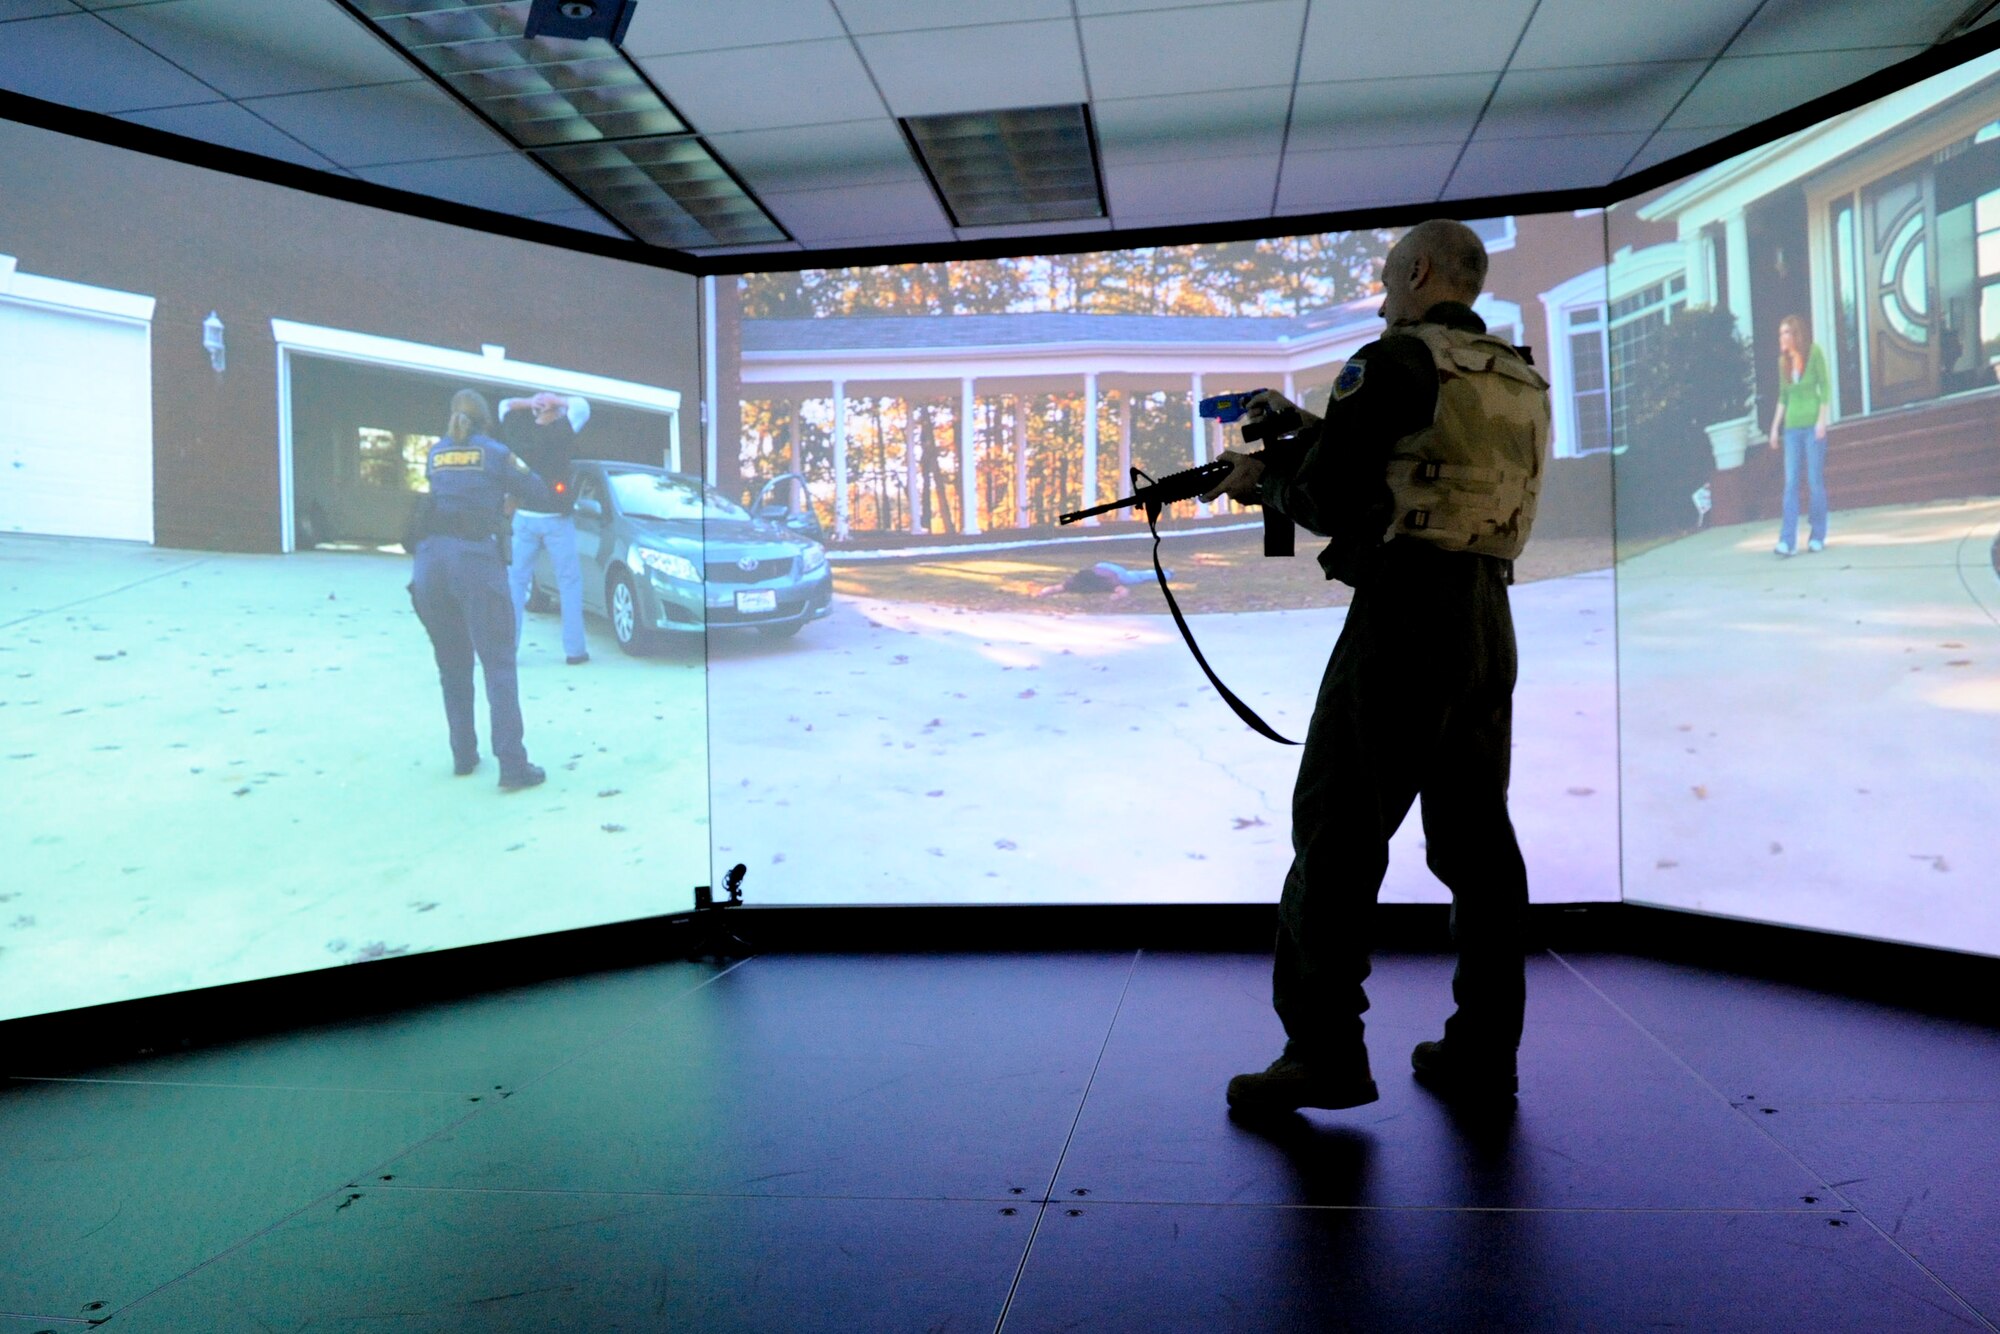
point(460, 588)
point(1417, 699)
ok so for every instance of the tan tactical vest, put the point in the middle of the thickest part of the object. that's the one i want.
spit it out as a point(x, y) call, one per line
point(1469, 480)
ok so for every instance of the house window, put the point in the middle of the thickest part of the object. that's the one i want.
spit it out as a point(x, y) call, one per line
point(1636, 324)
point(1590, 382)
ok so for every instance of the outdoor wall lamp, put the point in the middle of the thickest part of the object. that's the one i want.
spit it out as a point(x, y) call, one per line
point(211, 338)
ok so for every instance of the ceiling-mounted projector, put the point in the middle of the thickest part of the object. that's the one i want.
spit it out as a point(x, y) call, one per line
point(580, 20)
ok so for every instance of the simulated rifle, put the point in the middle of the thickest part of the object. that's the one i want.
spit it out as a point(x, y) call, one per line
point(1152, 495)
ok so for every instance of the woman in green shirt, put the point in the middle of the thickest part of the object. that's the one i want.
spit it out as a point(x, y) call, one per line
point(1804, 404)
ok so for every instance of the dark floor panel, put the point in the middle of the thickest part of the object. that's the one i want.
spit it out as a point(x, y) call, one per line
point(114, 1189)
point(1605, 1119)
point(433, 1262)
point(870, 1076)
point(1928, 1174)
point(1161, 1269)
point(1776, 1042)
point(473, 1045)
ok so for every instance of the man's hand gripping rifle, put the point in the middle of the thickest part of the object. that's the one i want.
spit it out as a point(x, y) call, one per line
point(1270, 417)
point(1265, 416)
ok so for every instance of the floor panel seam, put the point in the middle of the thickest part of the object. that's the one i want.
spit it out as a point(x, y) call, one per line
point(1780, 1145)
point(1028, 1250)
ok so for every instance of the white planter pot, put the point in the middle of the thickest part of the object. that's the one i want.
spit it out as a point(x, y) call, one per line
point(1730, 440)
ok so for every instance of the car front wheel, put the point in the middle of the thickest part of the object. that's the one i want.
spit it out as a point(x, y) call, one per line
point(628, 622)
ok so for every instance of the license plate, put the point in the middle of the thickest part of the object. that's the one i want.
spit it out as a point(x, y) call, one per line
point(757, 599)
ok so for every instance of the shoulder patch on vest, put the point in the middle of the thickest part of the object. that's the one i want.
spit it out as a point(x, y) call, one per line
point(1350, 378)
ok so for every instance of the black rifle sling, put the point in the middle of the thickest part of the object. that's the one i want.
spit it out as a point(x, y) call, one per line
point(1243, 711)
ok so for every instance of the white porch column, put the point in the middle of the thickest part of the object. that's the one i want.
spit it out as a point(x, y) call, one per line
point(1090, 444)
point(968, 462)
point(1021, 461)
point(1200, 450)
point(1124, 439)
point(1736, 261)
point(840, 460)
point(913, 480)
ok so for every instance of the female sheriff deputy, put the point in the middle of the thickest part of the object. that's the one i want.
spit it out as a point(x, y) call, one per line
point(460, 585)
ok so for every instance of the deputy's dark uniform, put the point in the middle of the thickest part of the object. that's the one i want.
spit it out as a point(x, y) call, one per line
point(1417, 699)
point(460, 590)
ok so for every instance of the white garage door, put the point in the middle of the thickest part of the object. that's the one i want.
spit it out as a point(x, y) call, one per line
point(76, 411)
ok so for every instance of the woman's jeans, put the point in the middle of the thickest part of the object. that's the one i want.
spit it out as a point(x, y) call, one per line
point(1804, 442)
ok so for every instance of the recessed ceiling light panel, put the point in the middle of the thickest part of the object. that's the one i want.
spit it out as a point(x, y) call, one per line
point(1030, 164)
point(669, 191)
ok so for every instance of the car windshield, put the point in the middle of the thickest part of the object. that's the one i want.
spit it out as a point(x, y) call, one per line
point(653, 495)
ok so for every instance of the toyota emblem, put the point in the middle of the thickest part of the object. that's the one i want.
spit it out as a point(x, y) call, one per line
point(747, 564)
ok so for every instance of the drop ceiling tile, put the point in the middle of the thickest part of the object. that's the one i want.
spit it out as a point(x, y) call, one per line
point(1742, 90)
point(765, 87)
point(820, 157)
point(1608, 99)
point(1246, 122)
point(1523, 166)
point(1204, 49)
point(231, 126)
point(1358, 177)
point(582, 220)
point(1374, 41)
point(504, 182)
point(985, 68)
point(676, 27)
point(1372, 113)
point(33, 9)
point(365, 127)
point(1814, 25)
point(871, 16)
point(1221, 187)
point(249, 48)
point(850, 214)
point(1672, 143)
point(77, 60)
point(1591, 32)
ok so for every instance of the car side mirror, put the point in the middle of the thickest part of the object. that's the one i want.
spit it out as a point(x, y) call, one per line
point(590, 508)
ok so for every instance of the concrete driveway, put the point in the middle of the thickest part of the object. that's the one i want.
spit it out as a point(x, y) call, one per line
point(1812, 740)
point(906, 753)
point(219, 767)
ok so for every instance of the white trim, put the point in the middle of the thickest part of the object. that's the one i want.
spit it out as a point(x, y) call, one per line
point(710, 396)
point(1508, 237)
point(1634, 270)
point(371, 349)
point(34, 290)
point(1731, 187)
point(288, 537)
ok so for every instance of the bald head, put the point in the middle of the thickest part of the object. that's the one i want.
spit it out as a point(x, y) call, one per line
point(1438, 260)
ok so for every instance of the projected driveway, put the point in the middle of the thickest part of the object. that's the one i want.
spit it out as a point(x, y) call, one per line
point(921, 753)
point(220, 767)
point(1811, 740)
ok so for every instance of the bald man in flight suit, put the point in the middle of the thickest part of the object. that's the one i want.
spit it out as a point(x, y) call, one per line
point(1424, 473)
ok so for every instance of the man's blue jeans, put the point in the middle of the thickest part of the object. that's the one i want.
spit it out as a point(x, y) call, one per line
point(556, 534)
point(1804, 443)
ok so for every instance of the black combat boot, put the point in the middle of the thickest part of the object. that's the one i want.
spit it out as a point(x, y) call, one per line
point(1464, 1074)
point(1290, 1083)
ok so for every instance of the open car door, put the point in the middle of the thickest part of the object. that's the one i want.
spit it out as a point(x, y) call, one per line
point(784, 501)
